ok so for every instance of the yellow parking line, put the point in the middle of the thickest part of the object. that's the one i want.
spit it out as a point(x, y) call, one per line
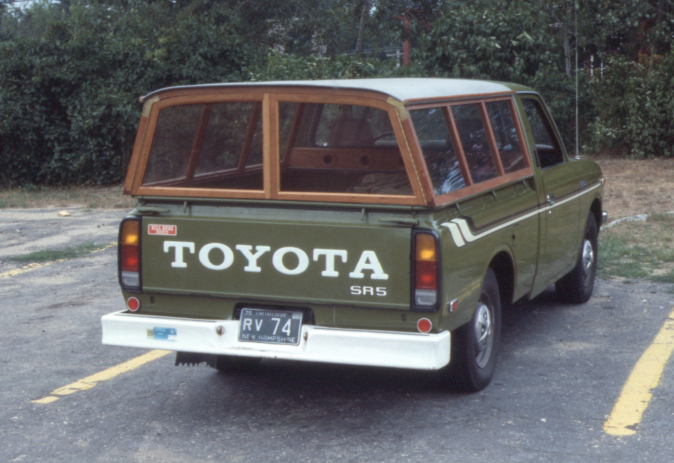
point(27, 268)
point(91, 381)
point(36, 265)
point(637, 392)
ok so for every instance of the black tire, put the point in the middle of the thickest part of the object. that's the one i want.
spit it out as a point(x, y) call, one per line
point(475, 345)
point(229, 364)
point(576, 287)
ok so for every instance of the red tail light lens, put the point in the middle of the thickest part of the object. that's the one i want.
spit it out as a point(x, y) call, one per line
point(426, 275)
point(425, 270)
point(129, 254)
point(130, 260)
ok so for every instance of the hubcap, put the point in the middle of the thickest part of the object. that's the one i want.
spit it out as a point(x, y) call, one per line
point(484, 335)
point(588, 260)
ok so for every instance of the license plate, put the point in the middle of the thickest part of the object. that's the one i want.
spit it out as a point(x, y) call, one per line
point(270, 326)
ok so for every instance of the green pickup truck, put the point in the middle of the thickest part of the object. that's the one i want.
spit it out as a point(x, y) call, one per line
point(378, 222)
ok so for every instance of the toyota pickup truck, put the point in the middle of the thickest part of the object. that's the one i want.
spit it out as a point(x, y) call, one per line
point(375, 222)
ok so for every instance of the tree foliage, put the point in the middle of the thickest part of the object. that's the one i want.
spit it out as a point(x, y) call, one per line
point(71, 71)
point(535, 44)
point(71, 81)
point(636, 119)
point(482, 40)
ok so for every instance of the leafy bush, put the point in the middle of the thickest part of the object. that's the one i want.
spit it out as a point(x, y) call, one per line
point(312, 67)
point(512, 44)
point(69, 94)
point(70, 82)
point(636, 108)
point(71, 72)
point(628, 111)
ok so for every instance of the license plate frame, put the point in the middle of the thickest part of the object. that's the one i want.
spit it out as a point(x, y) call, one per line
point(270, 326)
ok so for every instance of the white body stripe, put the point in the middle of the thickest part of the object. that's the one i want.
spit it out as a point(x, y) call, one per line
point(456, 233)
point(461, 232)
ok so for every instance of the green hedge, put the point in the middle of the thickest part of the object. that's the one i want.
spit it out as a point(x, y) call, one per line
point(511, 44)
point(69, 97)
point(637, 109)
point(69, 83)
point(627, 111)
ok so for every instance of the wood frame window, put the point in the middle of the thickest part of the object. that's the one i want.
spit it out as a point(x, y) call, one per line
point(348, 151)
point(469, 156)
point(192, 182)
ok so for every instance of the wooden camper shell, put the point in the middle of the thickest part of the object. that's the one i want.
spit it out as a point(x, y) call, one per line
point(396, 96)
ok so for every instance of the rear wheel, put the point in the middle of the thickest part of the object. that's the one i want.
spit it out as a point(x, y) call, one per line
point(576, 287)
point(229, 364)
point(475, 345)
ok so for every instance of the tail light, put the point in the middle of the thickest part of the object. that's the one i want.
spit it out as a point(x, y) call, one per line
point(425, 271)
point(129, 254)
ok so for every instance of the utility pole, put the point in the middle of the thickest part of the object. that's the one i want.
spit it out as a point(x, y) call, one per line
point(365, 13)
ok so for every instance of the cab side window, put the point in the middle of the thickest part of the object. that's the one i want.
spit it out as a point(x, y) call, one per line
point(548, 148)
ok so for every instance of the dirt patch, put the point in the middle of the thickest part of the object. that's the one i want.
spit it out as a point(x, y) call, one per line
point(27, 231)
point(637, 186)
point(644, 249)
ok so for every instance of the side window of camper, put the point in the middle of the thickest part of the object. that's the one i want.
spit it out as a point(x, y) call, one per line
point(432, 128)
point(506, 136)
point(469, 143)
point(475, 142)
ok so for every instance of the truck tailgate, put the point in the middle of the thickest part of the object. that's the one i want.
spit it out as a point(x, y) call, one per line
point(354, 262)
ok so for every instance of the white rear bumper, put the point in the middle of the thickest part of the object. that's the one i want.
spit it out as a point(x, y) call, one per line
point(317, 344)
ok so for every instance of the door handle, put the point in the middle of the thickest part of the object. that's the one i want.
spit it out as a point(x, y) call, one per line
point(550, 199)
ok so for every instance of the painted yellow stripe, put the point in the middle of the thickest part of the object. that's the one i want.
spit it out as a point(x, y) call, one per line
point(27, 268)
point(91, 381)
point(111, 245)
point(35, 265)
point(637, 392)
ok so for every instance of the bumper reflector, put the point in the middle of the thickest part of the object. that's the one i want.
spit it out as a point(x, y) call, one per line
point(133, 304)
point(424, 325)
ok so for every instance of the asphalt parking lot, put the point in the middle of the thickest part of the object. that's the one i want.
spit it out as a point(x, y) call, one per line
point(563, 390)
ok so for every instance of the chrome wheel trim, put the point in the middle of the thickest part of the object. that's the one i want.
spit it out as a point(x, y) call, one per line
point(587, 259)
point(484, 334)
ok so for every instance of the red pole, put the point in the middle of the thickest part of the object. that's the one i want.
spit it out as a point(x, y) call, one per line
point(406, 44)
